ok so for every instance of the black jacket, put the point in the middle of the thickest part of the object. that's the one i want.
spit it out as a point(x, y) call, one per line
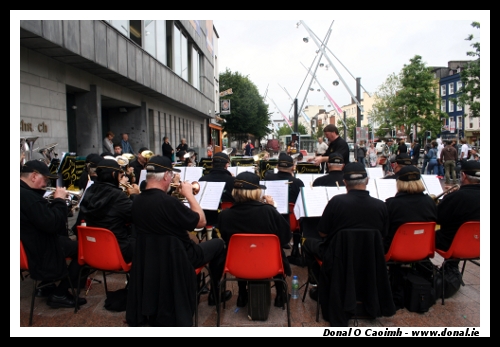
point(162, 287)
point(105, 205)
point(167, 150)
point(42, 223)
point(353, 270)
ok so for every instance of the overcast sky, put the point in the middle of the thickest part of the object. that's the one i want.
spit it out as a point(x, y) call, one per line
point(371, 45)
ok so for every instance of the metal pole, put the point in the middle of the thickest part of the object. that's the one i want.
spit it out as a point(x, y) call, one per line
point(358, 109)
point(345, 126)
point(295, 117)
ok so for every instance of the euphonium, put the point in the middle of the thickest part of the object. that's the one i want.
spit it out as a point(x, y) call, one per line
point(147, 154)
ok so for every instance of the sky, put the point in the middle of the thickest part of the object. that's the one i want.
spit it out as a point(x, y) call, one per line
point(371, 46)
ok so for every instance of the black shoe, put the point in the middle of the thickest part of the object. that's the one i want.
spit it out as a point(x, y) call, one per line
point(287, 246)
point(242, 299)
point(205, 290)
point(64, 301)
point(45, 291)
point(313, 293)
point(225, 297)
point(278, 301)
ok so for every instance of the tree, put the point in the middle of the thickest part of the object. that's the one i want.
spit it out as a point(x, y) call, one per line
point(407, 99)
point(286, 130)
point(249, 114)
point(470, 77)
point(351, 127)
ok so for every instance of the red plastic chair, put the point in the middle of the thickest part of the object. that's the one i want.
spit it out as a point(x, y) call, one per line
point(225, 205)
point(25, 267)
point(254, 257)
point(98, 249)
point(465, 246)
point(412, 242)
point(294, 223)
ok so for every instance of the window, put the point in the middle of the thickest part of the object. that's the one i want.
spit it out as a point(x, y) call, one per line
point(150, 37)
point(459, 123)
point(451, 88)
point(459, 86)
point(122, 26)
point(443, 105)
point(459, 107)
point(136, 31)
point(195, 68)
point(180, 48)
point(451, 106)
point(443, 89)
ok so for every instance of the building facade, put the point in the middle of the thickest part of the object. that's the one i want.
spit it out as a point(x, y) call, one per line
point(147, 78)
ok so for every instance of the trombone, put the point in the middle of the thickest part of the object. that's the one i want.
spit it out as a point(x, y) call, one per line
point(452, 189)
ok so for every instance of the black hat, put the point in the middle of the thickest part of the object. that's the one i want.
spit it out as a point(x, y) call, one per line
point(471, 167)
point(409, 173)
point(38, 166)
point(107, 165)
point(93, 159)
point(354, 171)
point(284, 160)
point(160, 163)
point(220, 157)
point(402, 159)
point(335, 158)
point(248, 180)
point(106, 153)
point(142, 149)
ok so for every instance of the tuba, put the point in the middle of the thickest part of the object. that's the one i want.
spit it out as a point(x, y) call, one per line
point(48, 153)
point(27, 148)
point(190, 155)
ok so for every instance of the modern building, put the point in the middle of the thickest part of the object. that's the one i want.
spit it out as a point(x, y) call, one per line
point(148, 78)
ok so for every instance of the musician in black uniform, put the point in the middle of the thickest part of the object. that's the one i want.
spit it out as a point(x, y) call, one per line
point(45, 235)
point(460, 206)
point(343, 211)
point(139, 164)
point(410, 204)
point(219, 173)
point(335, 175)
point(88, 173)
point(250, 214)
point(336, 144)
point(398, 162)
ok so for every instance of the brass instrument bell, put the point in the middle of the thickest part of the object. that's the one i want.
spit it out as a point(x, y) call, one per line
point(129, 156)
point(147, 154)
point(122, 160)
point(227, 151)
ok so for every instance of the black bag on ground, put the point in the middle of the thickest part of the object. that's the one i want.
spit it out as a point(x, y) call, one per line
point(452, 281)
point(419, 294)
point(259, 300)
point(117, 300)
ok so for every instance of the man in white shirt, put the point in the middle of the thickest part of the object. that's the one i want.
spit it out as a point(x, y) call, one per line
point(321, 148)
point(440, 165)
point(464, 151)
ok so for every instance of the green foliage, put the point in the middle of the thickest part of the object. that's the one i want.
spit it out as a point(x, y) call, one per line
point(407, 99)
point(351, 127)
point(470, 77)
point(286, 130)
point(249, 113)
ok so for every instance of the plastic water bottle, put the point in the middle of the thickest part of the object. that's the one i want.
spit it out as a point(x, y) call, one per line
point(295, 287)
point(83, 223)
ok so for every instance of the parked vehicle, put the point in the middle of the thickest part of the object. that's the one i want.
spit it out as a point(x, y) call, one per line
point(351, 146)
point(273, 146)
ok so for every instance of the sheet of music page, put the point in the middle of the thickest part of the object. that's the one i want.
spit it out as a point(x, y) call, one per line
point(372, 188)
point(386, 188)
point(314, 200)
point(210, 195)
point(279, 191)
point(375, 172)
point(332, 191)
point(307, 178)
point(298, 209)
point(432, 184)
point(235, 170)
point(190, 173)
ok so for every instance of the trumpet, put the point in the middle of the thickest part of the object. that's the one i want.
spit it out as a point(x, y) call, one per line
point(436, 198)
point(177, 193)
point(72, 198)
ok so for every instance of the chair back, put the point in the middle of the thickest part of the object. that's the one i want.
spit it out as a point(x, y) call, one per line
point(254, 256)
point(294, 223)
point(24, 258)
point(99, 249)
point(225, 205)
point(465, 244)
point(412, 242)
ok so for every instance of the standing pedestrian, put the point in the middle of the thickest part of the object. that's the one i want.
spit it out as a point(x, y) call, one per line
point(372, 155)
point(167, 149)
point(321, 148)
point(440, 166)
point(449, 157)
point(416, 153)
point(107, 142)
point(126, 146)
point(464, 150)
point(432, 156)
point(248, 148)
point(427, 147)
point(181, 149)
point(360, 152)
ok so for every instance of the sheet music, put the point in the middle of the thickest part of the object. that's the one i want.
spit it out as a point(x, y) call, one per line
point(235, 170)
point(372, 188)
point(279, 191)
point(308, 179)
point(314, 200)
point(298, 209)
point(375, 172)
point(190, 173)
point(210, 195)
point(142, 177)
point(386, 188)
point(432, 184)
point(332, 191)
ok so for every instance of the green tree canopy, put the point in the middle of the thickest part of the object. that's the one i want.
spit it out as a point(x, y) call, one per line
point(470, 77)
point(249, 114)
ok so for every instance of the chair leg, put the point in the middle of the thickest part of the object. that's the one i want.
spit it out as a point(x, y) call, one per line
point(305, 291)
point(33, 294)
point(442, 285)
point(463, 267)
